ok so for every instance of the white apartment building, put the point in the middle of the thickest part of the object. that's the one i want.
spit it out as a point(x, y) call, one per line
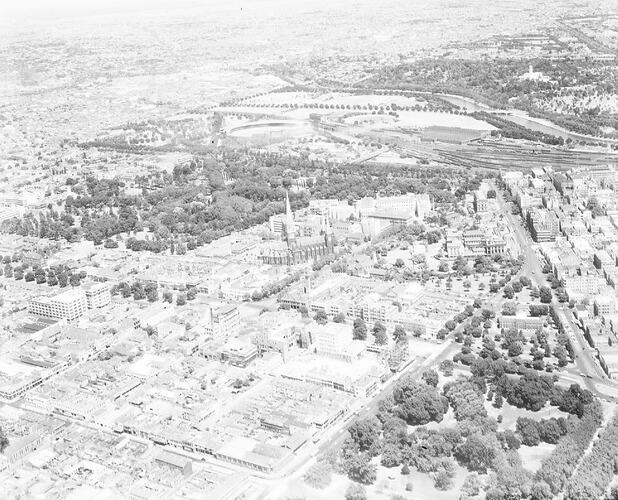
point(224, 321)
point(69, 305)
point(97, 295)
point(372, 309)
point(604, 305)
point(335, 341)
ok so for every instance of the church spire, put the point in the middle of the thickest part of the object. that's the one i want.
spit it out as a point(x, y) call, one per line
point(290, 227)
point(328, 232)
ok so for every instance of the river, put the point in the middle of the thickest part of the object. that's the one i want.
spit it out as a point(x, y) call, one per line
point(522, 118)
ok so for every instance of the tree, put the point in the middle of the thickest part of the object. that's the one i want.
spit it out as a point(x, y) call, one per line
point(525, 281)
point(509, 440)
point(488, 314)
point(557, 468)
point(509, 293)
point(551, 430)
point(365, 433)
point(515, 349)
point(574, 400)
point(74, 280)
point(598, 468)
point(498, 400)
point(545, 294)
point(359, 330)
point(319, 475)
point(4, 441)
point(152, 295)
point(531, 391)
point(29, 276)
point(167, 296)
point(509, 309)
point(399, 334)
point(358, 467)
point(418, 404)
point(399, 263)
point(528, 430)
point(442, 480)
point(139, 293)
point(320, 317)
point(379, 332)
point(63, 279)
point(191, 293)
point(471, 487)
point(541, 491)
point(181, 300)
point(339, 318)
point(431, 377)
point(595, 207)
point(355, 492)
point(390, 454)
point(477, 452)
point(491, 193)
point(466, 399)
point(446, 367)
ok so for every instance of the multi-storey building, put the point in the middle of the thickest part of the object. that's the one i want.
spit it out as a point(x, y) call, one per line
point(69, 305)
point(224, 321)
point(543, 225)
point(604, 305)
point(97, 295)
point(481, 203)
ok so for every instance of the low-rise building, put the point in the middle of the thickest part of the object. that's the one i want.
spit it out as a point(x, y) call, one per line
point(529, 323)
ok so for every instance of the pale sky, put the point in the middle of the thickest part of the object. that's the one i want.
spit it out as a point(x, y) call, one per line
point(55, 9)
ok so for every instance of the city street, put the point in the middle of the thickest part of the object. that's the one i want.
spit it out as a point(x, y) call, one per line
point(585, 362)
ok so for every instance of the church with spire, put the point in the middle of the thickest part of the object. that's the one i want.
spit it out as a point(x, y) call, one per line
point(294, 249)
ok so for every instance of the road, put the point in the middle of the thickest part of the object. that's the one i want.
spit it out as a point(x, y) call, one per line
point(370, 408)
point(585, 361)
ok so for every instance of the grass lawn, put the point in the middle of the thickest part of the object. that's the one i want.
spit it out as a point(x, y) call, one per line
point(531, 456)
point(510, 414)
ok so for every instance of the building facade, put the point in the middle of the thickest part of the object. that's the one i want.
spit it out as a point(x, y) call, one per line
point(70, 305)
point(298, 250)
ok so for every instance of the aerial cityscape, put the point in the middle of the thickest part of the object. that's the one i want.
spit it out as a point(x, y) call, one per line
point(318, 249)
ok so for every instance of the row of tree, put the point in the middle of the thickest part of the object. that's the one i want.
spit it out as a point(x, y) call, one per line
point(556, 470)
point(598, 467)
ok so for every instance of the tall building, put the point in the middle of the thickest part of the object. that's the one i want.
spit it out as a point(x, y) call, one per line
point(69, 305)
point(543, 225)
point(224, 321)
point(97, 295)
point(298, 249)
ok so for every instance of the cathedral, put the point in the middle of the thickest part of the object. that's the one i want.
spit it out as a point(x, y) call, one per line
point(296, 249)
